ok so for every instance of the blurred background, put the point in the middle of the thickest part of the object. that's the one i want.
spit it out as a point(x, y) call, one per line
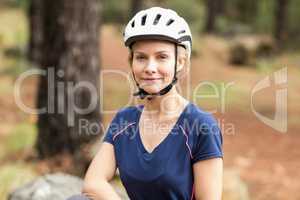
point(239, 47)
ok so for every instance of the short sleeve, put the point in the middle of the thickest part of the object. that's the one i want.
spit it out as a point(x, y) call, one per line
point(208, 140)
point(112, 129)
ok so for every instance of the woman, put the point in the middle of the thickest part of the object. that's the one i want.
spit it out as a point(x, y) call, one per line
point(166, 148)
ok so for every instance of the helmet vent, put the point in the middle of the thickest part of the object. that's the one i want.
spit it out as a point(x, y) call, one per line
point(144, 20)
point(132, 24)
point(181, 32)
point(170, 22)
point(156, 20)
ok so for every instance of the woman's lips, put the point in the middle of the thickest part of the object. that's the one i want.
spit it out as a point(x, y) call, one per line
point(151, 80)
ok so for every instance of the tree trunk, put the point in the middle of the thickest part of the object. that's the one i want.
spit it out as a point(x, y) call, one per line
point(70, 55)
point(212, 9)
point(280, 32)
point(35, 15)
point(136, 5)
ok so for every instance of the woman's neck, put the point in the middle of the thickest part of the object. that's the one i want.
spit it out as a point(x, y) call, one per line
point(168, 105)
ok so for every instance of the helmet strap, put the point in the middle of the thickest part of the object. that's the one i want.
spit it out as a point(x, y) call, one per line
point(142, 93)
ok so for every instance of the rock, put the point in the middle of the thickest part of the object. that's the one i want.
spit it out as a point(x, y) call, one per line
point(244, 50)
point(49, 187)
point(57, 186)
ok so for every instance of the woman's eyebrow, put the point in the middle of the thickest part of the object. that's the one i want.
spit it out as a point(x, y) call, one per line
point(157, 52)
point(139, 52)
point(164, 51)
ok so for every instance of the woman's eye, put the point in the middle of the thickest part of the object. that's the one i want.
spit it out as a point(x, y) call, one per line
point(163, 57)
point(140, 57)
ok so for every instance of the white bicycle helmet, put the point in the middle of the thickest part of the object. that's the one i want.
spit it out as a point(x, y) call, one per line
point(158, 23)
point(161, 24)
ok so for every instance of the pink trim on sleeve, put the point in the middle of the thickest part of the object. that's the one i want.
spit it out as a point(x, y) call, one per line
point(120, 132)
point(193, 191)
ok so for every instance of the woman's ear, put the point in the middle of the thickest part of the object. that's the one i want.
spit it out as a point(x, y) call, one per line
point(183, 63)
point(180, 63)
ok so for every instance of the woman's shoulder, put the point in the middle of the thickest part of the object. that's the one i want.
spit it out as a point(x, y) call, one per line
point(205, 137)
point(204, 134)
point(195, 112)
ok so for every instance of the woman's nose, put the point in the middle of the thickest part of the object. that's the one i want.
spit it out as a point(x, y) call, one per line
point(151, 67)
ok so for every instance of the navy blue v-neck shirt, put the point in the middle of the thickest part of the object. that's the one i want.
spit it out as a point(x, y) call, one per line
point(166, 173)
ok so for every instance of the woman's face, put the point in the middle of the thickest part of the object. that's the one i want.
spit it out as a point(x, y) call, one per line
point(153, 64)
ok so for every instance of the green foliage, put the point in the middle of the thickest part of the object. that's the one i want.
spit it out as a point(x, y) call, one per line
point(13, 176)
point(115, 11)
point(264, 20)
point(22, 137)
point(14, 28)
point(294, 16)
point(192, 11)
point(14, 66)
point(16, 3)
point(241, 11)
point(209, 94)
point(218, 96)
point(264, 66)
point(223, 24)
point(14, 36)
